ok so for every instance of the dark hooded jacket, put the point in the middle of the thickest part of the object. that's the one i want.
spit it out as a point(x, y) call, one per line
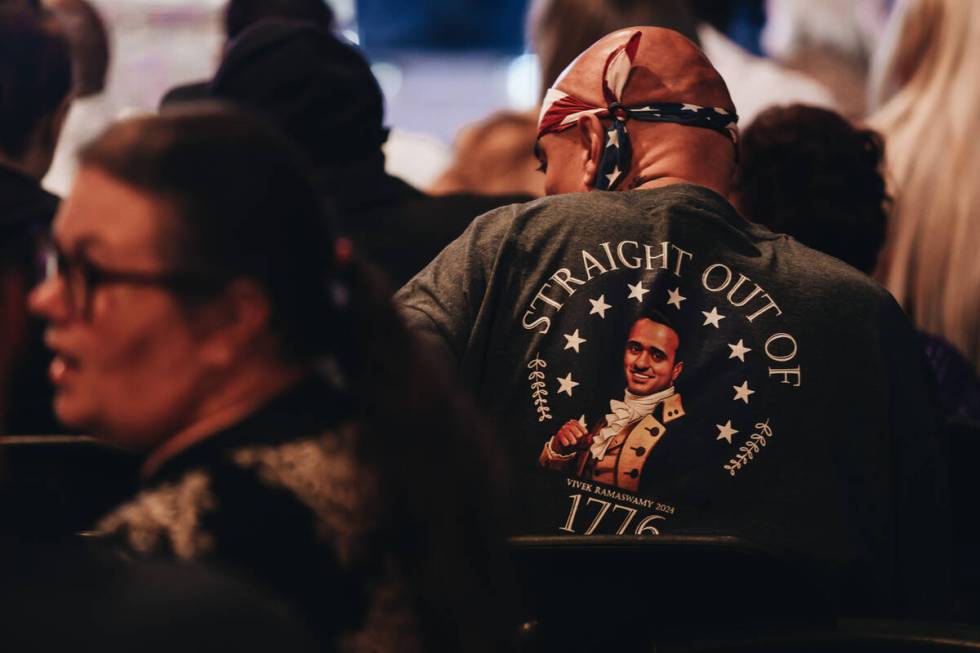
point(26, 212)
point(320, 90)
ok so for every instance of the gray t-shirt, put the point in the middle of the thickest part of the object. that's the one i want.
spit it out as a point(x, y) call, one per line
point(793, 406)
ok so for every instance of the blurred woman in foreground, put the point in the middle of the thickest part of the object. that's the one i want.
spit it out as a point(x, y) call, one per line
point(201, 311)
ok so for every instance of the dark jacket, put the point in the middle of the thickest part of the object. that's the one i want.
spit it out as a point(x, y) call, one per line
point(283, 499)
point(396, 226)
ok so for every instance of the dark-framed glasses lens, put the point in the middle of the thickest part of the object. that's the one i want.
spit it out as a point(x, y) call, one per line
point(57, 266)
point(50, 264)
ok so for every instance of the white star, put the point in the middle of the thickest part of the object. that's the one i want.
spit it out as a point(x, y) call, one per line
point(574, 341)
point(613, 175)
point(599, 306)
point(675, 297)
point(566, 384)
point(690, 107)
point(742, 392)
point(739, 350)
point(637, 291)
point(712, 318)
point(613, 138)
point(725, 431)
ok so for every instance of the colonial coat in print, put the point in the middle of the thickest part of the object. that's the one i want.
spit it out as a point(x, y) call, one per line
point(808, 419)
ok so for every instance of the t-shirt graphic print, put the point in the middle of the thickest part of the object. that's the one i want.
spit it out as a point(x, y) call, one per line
point(648, 368)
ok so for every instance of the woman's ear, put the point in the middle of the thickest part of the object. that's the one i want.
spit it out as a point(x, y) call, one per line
point(678, 368)
point(232, 322)
point(592, 138)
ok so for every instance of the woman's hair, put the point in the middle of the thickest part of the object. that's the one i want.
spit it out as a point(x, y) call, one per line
point(926, 100)
point(245, 205)
point(809, 173)
point(560, 30)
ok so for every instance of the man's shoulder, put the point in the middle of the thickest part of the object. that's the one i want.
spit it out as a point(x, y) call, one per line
point(596, 213)
point(552, 214)
point(673, 408)
point(830, 279)
point(666, 202)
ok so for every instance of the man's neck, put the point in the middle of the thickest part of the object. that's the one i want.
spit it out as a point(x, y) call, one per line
point(644, 182)
point(241, 396)
point(654, 398)
point(667, 154)
point(647, 182)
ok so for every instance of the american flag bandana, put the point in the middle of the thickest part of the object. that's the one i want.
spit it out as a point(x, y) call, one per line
point(560, 111)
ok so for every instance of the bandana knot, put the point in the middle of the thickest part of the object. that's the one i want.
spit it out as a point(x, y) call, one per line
point(619, 111)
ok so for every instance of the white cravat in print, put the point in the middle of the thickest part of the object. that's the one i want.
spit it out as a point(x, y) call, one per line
point(631, 409)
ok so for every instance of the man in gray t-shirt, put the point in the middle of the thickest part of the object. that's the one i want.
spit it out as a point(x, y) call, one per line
point(808, 423)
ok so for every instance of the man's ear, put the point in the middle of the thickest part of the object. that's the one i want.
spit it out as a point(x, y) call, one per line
point(233, 322)
point(592, 138)
point(678, 368)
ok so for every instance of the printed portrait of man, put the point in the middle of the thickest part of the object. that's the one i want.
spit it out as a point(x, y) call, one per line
point(615, 450)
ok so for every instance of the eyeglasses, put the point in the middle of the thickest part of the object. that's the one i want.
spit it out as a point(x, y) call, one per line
point(82, 278)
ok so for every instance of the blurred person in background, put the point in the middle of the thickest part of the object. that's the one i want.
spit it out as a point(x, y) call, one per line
point(91, 109)
point(241, 14)
point(202, 312)
point(493, 156)
point(35, 84)
point(807, 172)
point(320, 90)
point(755, 82)
point(558, 30)
point(408, 155)
point(831, 41)
point(924, 97)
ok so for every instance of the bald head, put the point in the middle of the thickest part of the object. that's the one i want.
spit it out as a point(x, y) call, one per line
point(673, 109)
point(667, 67)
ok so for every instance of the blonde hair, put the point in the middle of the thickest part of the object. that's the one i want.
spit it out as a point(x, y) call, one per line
point(924, 85)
